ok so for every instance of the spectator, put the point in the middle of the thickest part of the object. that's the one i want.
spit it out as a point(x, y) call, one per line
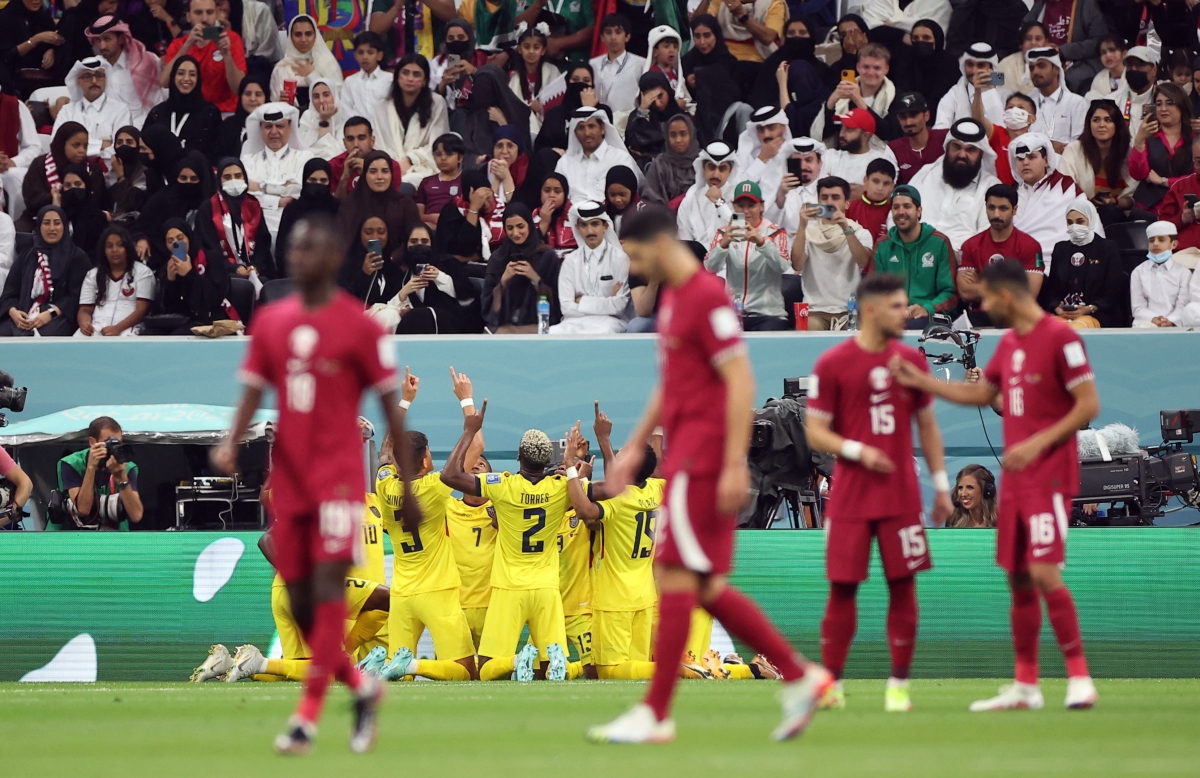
point(831, 255)
point(1015, 67)
point(594, 148)
point(509, 165)
point(870, 91)
point(1099, 164)
point(1085, 272)
point(1158, 288)
point(1135, 97)
point(1020, 113)
point(751, 32)
point(956, 189)
point(494, 24)
point(617, 70)
point(117, 292)
point(974, 499)
point(358, 138)
point(259, 31)
point(465, 231)
point(872, 208)
point(888, 13)
point(191, 184)
point(439, 189)
point(153, 22)
point(710, 72)
point(11, 471)
point(573, 29)
point(364, 91)
point(78, 202)
point(620, 195)
point(920, 145)
point(132, 70)
point(20, 145)
point(806, 157)
point(30, 45)
point(551, 217)
point(321, 125)
point(581, 92)
point(534, 71)
point(454, 81)
point(41, 293)
point(1045, 192)
point(852, 33)
point(222, 62)
point(932, 70)
point(672, 173)
point(377, 196)
point(412, 120)
point(307, 59)
point(977, 65)
point(69, 147)
point(664, 45)
point(231, 223)
point(1162, 147)
point(442, 297)
point(1111, 77)
point(1075, 30)
point(375, 272)
point(315, 197)
point(857, 147)
point(997, 22)
point(1060, 113)
point(753, 253)
point(802, 95)
point(922, 255)
point(274, 157)
point(759, 149)
point(1182, 202)
point(128, 190)
point(998, 242)
point(195, 290)
point(519, 272)
point(101, 493)
point(644, 130)
point(705, 207)
point(186, 112)
point(593, 288)
point(252, 93)
point(491, 104)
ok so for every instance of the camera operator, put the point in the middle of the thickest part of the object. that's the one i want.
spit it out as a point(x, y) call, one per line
point(101, 490)
point(11, 471)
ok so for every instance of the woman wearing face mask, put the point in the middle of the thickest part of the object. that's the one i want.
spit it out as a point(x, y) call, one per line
point(85, 219)
point(128, 172)
point(672, 173)
point(1084, 285)
point(69, 147)
point(307, 59)
point(925, 66)
point(191, 118)
point(195, 290)
point(191, 184)
point(581, 91)
point(1162, 148)
point(1099, 163)
point(802, 95)
point(252, 93)
point(708, 70)
point(378, 198)
point(160, 152)
point(232, 221)
point(41, 293)
point(321, 125)
point(438, 296)
point(520, 271)
point(315, 197)
point(117, 292)
point(798, 45)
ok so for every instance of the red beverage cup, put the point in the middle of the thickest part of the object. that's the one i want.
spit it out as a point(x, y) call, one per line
point(801, 310)
point(289, 91)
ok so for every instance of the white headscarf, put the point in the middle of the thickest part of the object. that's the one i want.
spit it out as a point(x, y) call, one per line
point(718, 152)
point(978, 52)
point(325, 65)
point(1032, 141)
point(971, 133)
point(590, 211)
point(309, 129)
point(85, 64)
point(1085, 207)
point(660, 33)
point(748, 143)
point(254, 142)
point(611, 136)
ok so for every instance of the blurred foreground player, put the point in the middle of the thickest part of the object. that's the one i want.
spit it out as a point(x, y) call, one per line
point(704, 403)
point(856, 411)
point(1049, 393)
point(319, 352)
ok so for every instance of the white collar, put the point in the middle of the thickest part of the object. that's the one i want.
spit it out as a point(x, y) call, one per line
point(96, 105)
point(597, 254)
point(1054, 97)
point(122, 62)
point(283, 152)
point(598, 154)
point(374, 74)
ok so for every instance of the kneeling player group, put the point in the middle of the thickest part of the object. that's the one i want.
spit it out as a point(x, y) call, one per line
point(621, 578)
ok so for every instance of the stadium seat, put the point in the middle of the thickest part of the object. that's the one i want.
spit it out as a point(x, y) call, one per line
point(1128, 235)
point(23, 243)
point(793, 292)
point(276, 290)
point(241, 296)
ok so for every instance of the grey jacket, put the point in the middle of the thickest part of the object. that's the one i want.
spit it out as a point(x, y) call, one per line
point(754, 273)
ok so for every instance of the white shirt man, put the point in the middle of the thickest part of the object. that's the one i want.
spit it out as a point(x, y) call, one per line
point(274, 159)
point(617, 80)
point(707, 205)
point(953, 190)
point(593, 148)
point(761, 149)
point(593, 283)
point(857, 147)
point(830, 254)
point(133, 72)
point(784, 209)
point(91, 106)
point(956, 104)
point(1158, 288)
point(1060, 112)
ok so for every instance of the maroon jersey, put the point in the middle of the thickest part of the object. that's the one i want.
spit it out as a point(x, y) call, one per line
point(979, 251)
point(698, 330)
point(910, 161)
point(319, 362)
point(854, 390)
point(1035, 373)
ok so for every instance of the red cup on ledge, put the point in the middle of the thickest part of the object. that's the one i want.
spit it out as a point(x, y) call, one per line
point(289, 91)
point(801, 310)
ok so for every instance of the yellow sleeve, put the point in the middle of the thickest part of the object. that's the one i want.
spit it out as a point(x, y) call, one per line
point(493, 486)
point(427, 485)
point(714, 7)
point(776, 15)
point(467, 11)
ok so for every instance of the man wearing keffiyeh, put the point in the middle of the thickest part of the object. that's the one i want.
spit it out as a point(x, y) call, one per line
point(132, 71)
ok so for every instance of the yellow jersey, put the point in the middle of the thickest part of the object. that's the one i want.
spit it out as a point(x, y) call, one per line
point(422, 560)
point(371, 567)
point(474, 541)
point(530, 515)
point(624, 560)
point(574, 565)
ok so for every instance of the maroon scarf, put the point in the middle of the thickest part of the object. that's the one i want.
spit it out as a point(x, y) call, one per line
point(251, 219)
point(201, 263)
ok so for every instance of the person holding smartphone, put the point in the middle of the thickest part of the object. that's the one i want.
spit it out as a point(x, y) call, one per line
point(831, 252)
point(220, 52)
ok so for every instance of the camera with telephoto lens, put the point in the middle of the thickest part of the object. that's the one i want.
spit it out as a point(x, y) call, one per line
point(119, 450)
point(11, 397)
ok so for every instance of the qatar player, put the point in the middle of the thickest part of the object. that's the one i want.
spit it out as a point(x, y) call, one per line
point(1049, 393)
point(856, 411)
point(319, 352)
point(704, 403)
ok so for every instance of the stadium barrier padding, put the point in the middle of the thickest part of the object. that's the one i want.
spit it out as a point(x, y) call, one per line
point(153, 602)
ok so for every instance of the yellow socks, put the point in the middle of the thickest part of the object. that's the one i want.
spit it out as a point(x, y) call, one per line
point(574, 670)
point(443, 670)
point(700, 633)
point(498, 668)
point(365, 627)
point(291, 669)
point(739, 672)
point(626, 671)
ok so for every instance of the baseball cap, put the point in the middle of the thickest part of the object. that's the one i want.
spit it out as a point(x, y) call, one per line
point(910, 102)
point(1143, 53)
point(858, 119)
point(747, 190)
point(907, 190)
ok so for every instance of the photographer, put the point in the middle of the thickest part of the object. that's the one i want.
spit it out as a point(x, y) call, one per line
point(100, 491)
point(11, 471)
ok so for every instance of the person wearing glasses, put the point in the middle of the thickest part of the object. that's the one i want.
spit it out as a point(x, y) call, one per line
point(91, 106)
point(1162, 147)
point(1044, 192)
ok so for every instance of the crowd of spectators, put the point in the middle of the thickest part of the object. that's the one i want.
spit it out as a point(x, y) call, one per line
point(155, 156)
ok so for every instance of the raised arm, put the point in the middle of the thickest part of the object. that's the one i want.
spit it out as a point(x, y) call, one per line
point(602, 426)
point(402, 454)
point(584, 507)
point(453, 474)
point(464, 391)
point(935, 457)
point(619, 473)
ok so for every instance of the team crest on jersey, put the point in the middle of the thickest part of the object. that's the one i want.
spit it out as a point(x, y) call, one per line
point(879, 378)
point(492, 478)
point(995, 258)
point(574, 520)
point(1018, 360)
point(385, 472)
point(303, 341)
point(1077, 259)
point(927, 259)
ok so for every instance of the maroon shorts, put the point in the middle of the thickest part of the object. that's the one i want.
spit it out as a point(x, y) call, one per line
point(692, 534)
point(1031, 527)
point(903, 546)
point(305, 537)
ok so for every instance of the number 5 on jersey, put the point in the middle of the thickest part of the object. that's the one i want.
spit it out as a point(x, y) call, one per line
point(883, 419)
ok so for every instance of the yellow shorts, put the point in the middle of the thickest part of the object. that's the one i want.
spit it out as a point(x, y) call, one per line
point(579, 636)
point(511, 609)
point(291, 640)
point(358, 591)
point(475, 619)
point(622, 636)
point(440, 611)
point(700, 634)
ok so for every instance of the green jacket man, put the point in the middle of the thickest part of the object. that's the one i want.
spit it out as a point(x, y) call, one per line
point(919, 253)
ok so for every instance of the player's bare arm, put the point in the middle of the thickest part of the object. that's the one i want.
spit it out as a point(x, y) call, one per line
point(453, 474)
point(908, 374)
point(223, 456)
point(821, 437)
point(733, 487)
point(1086, 407)
point(267, 546)
point(620, 473)
point(584, 507)
point(465, 393)
point(935, 457)
point(411, 511)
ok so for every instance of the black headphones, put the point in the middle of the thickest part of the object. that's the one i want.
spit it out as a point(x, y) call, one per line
point(987, 483)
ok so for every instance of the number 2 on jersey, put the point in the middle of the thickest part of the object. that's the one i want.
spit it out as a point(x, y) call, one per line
point(645, 528)
point(527, 544)
point(883, 419)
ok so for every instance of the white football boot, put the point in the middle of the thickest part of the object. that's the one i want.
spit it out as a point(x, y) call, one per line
point(638, 725)
point(1015, 696)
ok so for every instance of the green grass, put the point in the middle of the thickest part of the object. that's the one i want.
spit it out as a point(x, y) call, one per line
point(1141, 727)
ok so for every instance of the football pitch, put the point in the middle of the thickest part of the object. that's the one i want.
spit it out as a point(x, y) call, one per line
point(1141, 727)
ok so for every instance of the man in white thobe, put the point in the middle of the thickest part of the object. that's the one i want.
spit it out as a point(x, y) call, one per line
point(274, 158)
point(593, 283)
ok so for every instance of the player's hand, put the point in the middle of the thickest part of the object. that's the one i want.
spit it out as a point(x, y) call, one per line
point(942, 508)
point(578, 443)
point(1021, 455)
point(223, 457)
point(876, 461)
point(462, 385)
point(619, 474)
point(906, 373)
point(473, 422)
point(974, 375)
point(409, 386)
point(585, 467)
point(733, 488)
point(602, 426)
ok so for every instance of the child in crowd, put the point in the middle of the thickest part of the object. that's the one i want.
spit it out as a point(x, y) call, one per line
point(871, 209)
point(664, 58)
point(371, 85)
point(617, 71)
point(533, 72)
point(1158, 288)
point(438, 190)
point(621, 194)
point(551, 216)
